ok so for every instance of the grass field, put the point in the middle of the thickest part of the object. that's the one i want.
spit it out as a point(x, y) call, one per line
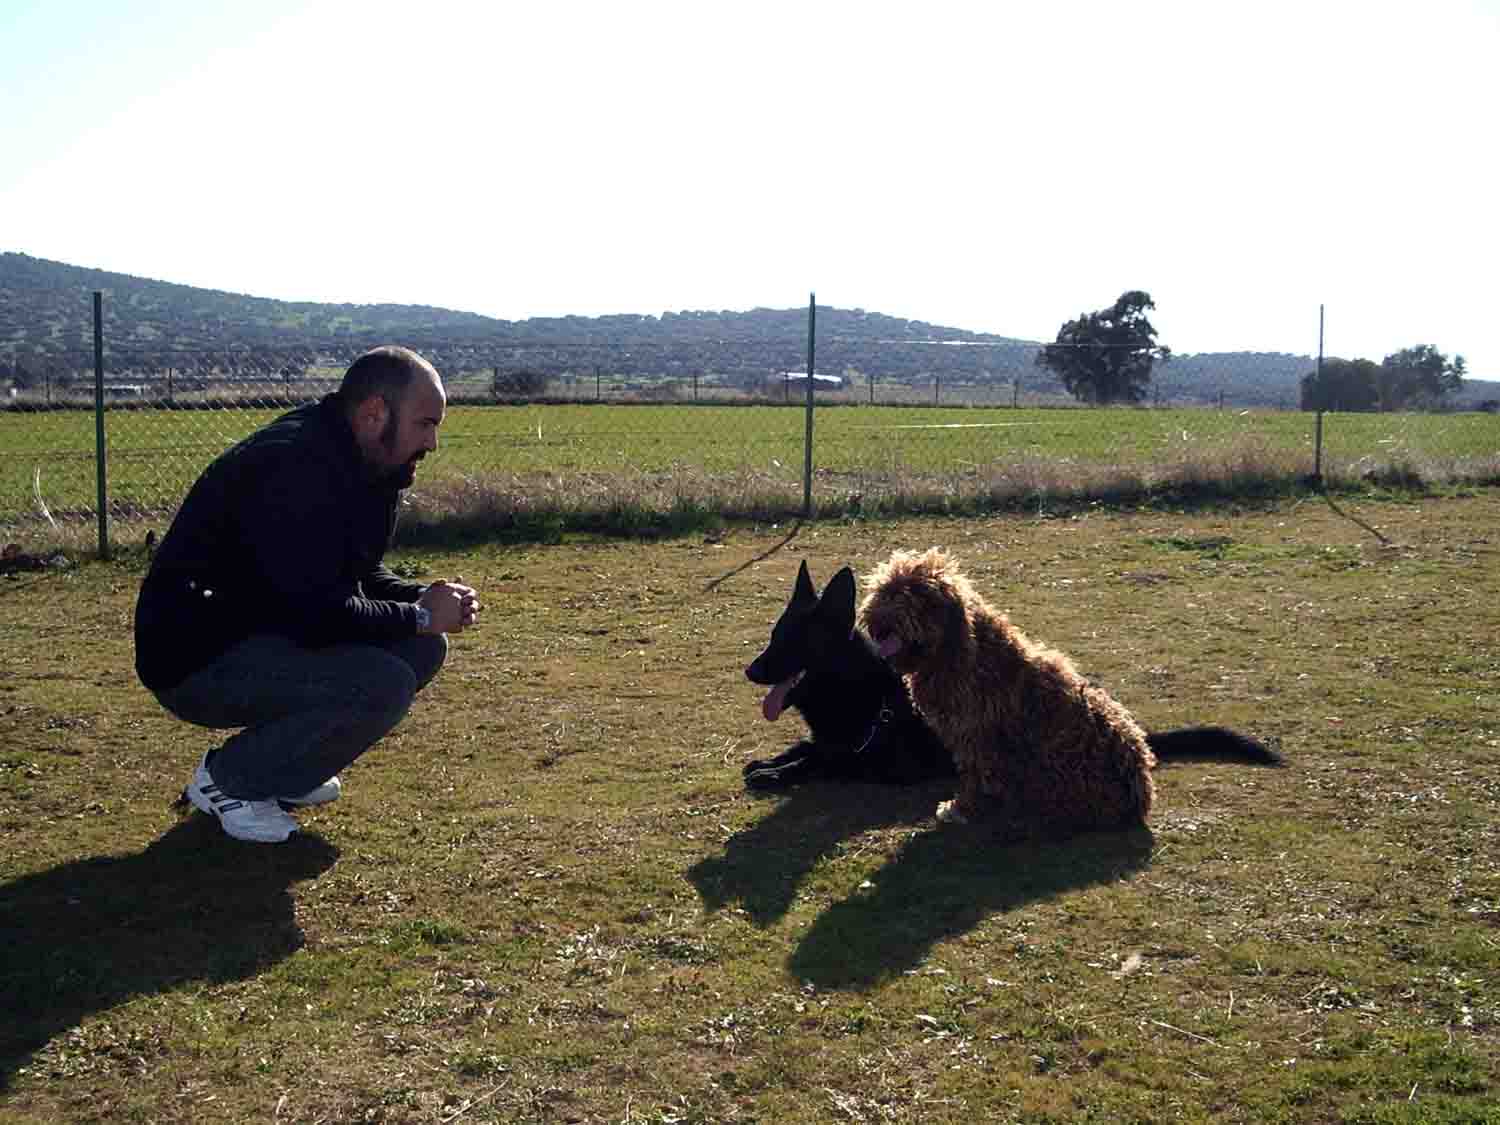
point(548, 898)
point(750, 459)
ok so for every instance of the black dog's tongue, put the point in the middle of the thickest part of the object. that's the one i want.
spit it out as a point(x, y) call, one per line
point(775, 701)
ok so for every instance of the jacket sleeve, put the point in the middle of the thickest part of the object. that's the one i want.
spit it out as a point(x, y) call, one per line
point(380, 583)
point(294, 529)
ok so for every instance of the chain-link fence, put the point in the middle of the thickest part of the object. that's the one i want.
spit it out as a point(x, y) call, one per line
point(518, 443)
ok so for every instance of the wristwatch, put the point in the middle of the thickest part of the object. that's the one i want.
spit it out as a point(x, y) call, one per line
point(424, 618)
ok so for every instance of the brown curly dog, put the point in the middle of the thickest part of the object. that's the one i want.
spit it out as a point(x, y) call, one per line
point(1041, 752)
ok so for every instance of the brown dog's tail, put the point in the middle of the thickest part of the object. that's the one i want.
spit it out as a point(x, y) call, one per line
point(1211, 743)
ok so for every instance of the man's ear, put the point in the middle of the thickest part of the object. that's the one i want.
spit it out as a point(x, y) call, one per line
point(837, 604)
point(370, 416)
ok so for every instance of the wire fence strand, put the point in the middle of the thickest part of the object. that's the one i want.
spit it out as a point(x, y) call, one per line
point(515, 439)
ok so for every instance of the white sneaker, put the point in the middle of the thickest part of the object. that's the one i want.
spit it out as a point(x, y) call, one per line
point(328, 791)
point(263, 822)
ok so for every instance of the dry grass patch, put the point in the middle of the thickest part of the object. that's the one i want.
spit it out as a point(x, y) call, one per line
point(547, 897)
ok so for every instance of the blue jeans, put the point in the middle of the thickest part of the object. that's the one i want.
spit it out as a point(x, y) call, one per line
point(306, 712)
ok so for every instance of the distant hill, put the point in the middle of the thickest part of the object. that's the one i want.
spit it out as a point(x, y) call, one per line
point(46, 325)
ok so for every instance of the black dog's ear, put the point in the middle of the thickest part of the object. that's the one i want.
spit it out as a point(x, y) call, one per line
point(837, 603)
point(805, 590)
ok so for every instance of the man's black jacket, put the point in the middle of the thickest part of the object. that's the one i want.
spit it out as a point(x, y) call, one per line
point(283, 534)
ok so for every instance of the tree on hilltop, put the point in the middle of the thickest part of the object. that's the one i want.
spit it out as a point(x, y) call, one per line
point(1106, 356)
point(1419, 374)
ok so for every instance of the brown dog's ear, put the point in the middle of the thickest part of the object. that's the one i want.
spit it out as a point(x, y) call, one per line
point(937, 561)
point(957, 637)
point(804, 591)
point(837, 604)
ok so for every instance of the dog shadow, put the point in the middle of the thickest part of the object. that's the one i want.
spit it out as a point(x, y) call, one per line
point(943, 883)
point(89, 934)
point(762, 867)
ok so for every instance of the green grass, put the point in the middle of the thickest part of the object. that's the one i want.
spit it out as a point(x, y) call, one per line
point(547, 896)
point(747, 459)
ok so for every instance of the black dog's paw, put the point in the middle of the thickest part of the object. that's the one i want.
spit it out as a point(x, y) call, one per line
point(787, 759)
point(800, 762)
point(771, 777)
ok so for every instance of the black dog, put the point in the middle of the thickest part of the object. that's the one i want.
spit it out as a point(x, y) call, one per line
point(857, 709)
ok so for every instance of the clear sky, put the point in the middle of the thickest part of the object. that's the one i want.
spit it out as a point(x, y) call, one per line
point(1000, 167)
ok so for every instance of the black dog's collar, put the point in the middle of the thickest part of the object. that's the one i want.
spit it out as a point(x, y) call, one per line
point(883, 716)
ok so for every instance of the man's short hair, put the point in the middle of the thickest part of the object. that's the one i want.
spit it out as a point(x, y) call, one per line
point(386, 371)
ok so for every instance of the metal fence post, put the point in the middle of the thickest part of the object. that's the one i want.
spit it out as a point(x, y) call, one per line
point(99, 424)
point(1318, 428)
point(812, 319)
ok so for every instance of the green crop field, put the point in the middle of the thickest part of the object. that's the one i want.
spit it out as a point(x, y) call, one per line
point(153, 455)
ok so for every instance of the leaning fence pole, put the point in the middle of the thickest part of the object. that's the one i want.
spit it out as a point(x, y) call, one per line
point(812, 319)
point(99, 423)
point(1318, 428)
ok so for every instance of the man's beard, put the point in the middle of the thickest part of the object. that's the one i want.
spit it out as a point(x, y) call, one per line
point(402, 475)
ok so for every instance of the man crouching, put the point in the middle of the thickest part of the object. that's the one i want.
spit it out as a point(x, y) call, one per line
point(267, 606)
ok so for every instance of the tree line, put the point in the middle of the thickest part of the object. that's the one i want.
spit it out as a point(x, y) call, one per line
point(1108, 356)
point(157, 332)
point(1415, 378)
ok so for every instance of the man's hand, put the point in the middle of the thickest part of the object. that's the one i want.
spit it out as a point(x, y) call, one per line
point(454, 606)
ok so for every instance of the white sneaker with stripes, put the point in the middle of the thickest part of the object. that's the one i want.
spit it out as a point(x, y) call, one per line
point(328, 791)
point(262, 822)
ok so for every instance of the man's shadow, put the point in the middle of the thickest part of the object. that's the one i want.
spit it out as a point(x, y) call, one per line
point(87, 935)
point(944, 881)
